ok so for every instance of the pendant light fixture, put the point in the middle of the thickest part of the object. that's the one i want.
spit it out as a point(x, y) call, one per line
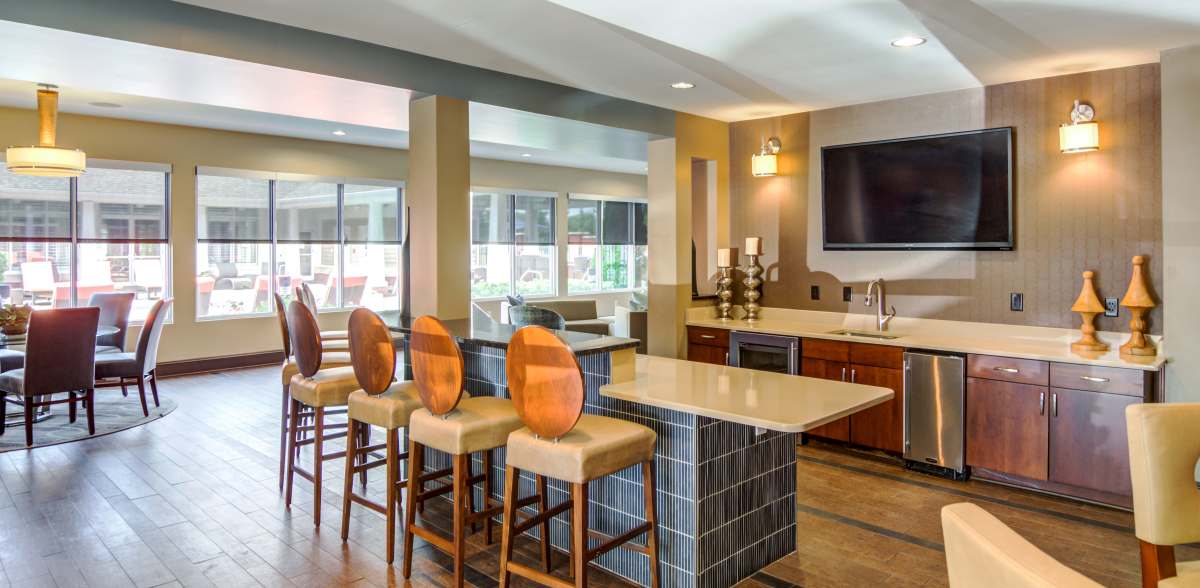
point(46, 158)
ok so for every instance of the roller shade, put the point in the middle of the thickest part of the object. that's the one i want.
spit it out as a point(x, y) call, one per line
point(507, 219)
point(120, 205)
point(34, 208)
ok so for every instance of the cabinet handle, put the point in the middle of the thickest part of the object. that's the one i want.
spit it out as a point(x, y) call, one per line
point(1041, 403)
point(843, 374)
point(726, 358)
point(708, 336)
point(1054, 402)
point(853, 375)
point(1093, 379)
point(1007, 370)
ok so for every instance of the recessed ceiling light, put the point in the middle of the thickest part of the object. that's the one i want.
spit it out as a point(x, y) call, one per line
point(105, 104)
point(340, 133)
point(908, 41)
point(683, 85)
point(526, 155)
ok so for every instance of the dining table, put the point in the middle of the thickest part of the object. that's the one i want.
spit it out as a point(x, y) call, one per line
point(17, 342)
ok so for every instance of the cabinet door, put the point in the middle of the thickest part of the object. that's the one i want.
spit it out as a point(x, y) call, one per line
point(707, 354)
point(1088, 441)
point(1007, 427)
point(881, 426)
point(828, 370)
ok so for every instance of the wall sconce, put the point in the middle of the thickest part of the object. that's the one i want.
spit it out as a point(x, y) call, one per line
point(764, 163)
point(1082, 133)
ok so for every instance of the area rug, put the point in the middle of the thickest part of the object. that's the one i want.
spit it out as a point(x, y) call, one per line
point(113, 413)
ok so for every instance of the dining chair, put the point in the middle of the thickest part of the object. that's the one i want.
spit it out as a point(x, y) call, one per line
point(982, 552)
point(1164, 449)
point(558, 441)
point(526, 316)
point(60, 353)
point(37, 278)
point(114, 312)
point(305, 295)
point(140, 366)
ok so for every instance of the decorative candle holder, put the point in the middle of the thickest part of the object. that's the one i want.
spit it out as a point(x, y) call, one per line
point(1088, 305)
point(725, 294)
point(1139, 302)
point(752, 283)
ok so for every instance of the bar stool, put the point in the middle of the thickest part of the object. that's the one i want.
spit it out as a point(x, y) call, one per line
point(1163, 451)
point(458, 426)
point(381, 402)
point(317, 389)
point(330, 358)
point(561, 442)
point(305, 295)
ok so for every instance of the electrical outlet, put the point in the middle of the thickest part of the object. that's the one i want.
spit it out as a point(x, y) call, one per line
point(815, 292)
point(1016, 302)
point(1112, 307)
point(847, 294)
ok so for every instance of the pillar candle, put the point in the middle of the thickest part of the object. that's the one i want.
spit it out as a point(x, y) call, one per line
point(727, 257)
point(754, 246)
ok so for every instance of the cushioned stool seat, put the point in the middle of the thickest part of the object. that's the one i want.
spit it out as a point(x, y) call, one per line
point(334, 335)
point(474, 425)
point(596, 447)
point(330, 387)
point(1188, 576)
point(390, 410)
point(333, 359)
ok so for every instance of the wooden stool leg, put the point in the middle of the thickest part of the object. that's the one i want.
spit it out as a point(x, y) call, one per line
point(543, 506)
point(365, 441)
point(318, 461)
point(579, 531)
point(348, 482)
point(510, 521)
point(393, 477)
point(462, 471)
point(293, 424)
point(648, 490)
point(487, 493)
point(283, 435)
point(416, 462)
point(1158, 562)
point(471, 497)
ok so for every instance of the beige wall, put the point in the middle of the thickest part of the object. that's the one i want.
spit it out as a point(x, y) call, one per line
point(186, 147)
point(1073, 212)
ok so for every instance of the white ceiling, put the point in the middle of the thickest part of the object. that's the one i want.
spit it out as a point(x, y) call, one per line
point(754, 58)
point(157, 84)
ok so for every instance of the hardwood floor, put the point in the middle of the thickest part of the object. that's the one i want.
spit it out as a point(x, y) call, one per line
point(191, 500)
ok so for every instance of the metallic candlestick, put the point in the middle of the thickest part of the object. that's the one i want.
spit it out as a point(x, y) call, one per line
point(725, 294)
point(752, 283)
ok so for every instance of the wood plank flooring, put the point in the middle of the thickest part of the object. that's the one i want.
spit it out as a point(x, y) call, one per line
point(191, 500)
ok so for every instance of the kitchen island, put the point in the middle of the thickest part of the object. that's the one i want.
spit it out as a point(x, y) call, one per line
point(725, 454)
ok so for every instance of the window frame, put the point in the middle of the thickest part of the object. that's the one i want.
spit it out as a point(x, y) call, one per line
point(511, 245)
point(273, 240)
point(631, 253)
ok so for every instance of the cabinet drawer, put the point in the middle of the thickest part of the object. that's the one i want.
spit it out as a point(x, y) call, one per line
point(884, 356)
point(1098, 379)
point(1008, 369)
point(708, 336)
point(827, 350)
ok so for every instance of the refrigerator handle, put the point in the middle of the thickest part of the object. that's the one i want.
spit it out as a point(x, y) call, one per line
point(907, 373)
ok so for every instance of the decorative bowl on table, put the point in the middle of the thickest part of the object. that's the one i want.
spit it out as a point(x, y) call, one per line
point(14, 320)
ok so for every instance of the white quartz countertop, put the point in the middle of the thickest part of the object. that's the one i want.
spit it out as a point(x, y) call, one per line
point(1040, 343)
point(779, 402)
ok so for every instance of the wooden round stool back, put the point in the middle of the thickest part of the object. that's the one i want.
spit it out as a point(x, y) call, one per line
point(545, 382)
point(281, 314)
point(306, 338)
point(437, 365)
point(372, 352)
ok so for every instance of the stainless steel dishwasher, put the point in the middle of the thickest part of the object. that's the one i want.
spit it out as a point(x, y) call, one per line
point(934, 409)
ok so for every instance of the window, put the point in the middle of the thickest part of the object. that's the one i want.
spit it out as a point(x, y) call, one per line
point(263, 232)
point(512, 244)
point(606, 245)
point(118, 243)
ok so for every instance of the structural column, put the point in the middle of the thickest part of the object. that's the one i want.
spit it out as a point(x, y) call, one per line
point(438, 199)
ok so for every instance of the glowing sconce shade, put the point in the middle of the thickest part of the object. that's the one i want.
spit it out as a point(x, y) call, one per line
point(765, 162)
point(1082, 134)
point(45, 158)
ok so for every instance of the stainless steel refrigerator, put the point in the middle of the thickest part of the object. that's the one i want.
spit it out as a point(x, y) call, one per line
point(934, 408)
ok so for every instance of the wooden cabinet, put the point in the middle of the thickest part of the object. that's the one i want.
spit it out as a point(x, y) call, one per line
point(882, 426)
point(708, 345)
point(1006, 428)
point(1089, 445)
point(828, 370)
point(878, 427)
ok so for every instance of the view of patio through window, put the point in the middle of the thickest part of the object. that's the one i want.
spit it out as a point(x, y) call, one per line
point(263, 232)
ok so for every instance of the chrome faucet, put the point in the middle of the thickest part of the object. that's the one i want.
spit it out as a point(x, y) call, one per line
point(881, 318)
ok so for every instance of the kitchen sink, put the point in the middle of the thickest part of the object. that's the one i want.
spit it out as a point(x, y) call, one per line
point(867, 334)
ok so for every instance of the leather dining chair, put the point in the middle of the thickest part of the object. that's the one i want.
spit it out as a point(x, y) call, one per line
point(60, 353)
point(140, 366)
point(526, 316)
point(114, 312)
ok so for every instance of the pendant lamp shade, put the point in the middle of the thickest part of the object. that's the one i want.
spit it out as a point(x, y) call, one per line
point(45, 158)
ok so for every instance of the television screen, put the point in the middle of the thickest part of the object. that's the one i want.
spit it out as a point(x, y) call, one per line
point(950, 191)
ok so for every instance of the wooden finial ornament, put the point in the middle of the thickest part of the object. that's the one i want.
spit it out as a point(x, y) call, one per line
point(1137, 299)
point(1088, 306)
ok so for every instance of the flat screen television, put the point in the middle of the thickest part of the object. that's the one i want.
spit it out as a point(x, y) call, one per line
point(952, 191)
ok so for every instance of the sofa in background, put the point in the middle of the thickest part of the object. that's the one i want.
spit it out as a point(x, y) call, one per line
point(580, 315)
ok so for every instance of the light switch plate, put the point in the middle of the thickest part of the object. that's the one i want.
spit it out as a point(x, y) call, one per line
point(1112, 307)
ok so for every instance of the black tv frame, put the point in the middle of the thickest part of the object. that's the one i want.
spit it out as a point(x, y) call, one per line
point(982, 246)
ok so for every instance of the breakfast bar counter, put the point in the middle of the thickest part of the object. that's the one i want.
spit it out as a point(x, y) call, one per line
point(725, 454)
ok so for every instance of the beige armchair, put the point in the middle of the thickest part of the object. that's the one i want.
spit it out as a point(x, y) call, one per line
point(1163, 450)
point(982, 552)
